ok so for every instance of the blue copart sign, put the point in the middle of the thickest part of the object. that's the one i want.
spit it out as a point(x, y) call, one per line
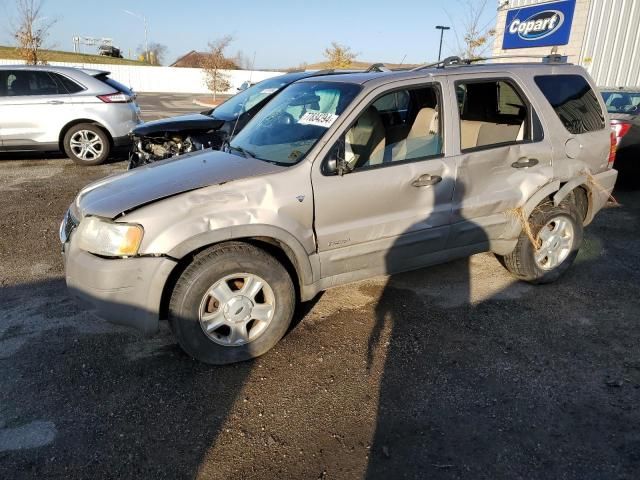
point(541, 25)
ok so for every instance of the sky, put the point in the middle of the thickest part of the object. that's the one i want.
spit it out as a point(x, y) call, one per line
point(281, 33)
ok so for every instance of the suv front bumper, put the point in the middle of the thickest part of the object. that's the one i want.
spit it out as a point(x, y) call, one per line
point(126, 291)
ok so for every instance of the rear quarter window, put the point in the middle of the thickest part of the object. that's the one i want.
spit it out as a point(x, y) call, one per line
point(69, 85)
point(574, 101)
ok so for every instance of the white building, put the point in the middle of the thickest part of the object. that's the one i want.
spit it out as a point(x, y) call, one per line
point(601, 35)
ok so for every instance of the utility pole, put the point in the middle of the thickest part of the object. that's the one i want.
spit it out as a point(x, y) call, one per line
point(146, 32)
point(442, 28)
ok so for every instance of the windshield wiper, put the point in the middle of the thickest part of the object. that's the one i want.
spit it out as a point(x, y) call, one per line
point(246, 153)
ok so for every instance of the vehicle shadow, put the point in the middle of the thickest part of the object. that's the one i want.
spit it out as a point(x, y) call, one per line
point(513, 383)
point(112, 404)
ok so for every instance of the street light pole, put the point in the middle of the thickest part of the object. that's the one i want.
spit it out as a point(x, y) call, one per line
point(442, 28)
point(146, 32)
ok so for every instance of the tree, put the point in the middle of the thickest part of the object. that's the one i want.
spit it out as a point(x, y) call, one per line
point(155, 55)
point(476, 36)
point(215, 62)
point(339, 56)
point(31, 31)
point(241, 61)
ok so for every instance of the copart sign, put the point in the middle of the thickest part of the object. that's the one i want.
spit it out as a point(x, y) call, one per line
point(541, 25)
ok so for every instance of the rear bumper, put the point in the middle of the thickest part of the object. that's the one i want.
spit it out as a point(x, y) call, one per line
point(124, 141)
point(126, 291)
point(601, 189)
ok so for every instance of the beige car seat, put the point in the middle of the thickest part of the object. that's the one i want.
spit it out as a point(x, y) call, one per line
point(365, 141)
point(425, 125)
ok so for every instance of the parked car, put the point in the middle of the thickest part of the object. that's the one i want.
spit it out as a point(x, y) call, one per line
point(623, 106)
point(82, 112)
point(175, 136)
point(340, 178)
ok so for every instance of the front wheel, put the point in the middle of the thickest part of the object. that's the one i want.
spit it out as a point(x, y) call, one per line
point(557, 231)
point(86, 144)
point(234, 302)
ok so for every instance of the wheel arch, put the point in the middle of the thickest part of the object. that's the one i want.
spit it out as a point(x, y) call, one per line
point(278, 243)
point(69, 125)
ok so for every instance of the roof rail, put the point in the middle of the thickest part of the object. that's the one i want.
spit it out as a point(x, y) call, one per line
point(449, 61)
point(377, 67)
point(453, 60)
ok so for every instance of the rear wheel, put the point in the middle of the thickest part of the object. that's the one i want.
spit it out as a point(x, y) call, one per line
point(234, 302)
point(86, 144)
point(558, 231)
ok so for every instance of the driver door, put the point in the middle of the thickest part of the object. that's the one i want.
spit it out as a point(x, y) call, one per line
point(390, 211)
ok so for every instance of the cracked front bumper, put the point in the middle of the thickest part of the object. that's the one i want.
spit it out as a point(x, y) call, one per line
point(125, 291)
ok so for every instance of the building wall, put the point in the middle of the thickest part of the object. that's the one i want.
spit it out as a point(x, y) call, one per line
point(611, 49)
point(165, 79)
point(605, 39)
point(572, 49)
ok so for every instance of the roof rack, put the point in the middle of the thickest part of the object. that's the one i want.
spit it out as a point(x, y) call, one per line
point(377, 67)
point(449, 61)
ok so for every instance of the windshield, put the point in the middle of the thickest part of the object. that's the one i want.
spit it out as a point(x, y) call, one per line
point(622, 102)
point(290, 124)
point(243, 101)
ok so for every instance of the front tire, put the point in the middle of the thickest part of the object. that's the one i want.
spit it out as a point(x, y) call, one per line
point(86, 144)
point(234, 302)
point(558, 231)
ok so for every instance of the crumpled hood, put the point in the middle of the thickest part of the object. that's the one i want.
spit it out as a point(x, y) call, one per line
point(195, 121)
point(120, 193)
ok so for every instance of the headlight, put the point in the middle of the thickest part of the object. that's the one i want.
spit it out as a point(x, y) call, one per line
point(110, 239)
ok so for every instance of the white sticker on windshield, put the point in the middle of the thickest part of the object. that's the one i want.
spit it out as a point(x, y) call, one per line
point(269, 91)
point(318, 119)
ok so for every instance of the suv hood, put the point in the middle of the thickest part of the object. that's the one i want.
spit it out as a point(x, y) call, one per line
point(123, 192)
point(196, 121)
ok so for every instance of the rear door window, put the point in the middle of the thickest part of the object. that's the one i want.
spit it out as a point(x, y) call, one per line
point(29, 83)
point(493, 113)
point(574, 101)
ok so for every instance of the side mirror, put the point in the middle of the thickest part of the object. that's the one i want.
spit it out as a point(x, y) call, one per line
point(335, 164)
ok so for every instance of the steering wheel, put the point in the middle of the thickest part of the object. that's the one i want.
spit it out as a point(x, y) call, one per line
point(285, 118)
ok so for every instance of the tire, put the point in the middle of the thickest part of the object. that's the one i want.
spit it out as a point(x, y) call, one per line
point(241, 324)
point(522, 261)
point(87, 144)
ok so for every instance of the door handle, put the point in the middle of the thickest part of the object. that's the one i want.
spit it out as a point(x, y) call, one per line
point(55, 102)
point(426, 180)
point(525, 162)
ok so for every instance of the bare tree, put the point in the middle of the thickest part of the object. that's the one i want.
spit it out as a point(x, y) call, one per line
point(339, 56)
point(31, 31)
point(154, 55)
point(476, 36)
point(241, 61)
point(215, 62)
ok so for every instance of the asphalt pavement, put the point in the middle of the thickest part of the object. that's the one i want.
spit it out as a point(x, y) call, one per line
point(453, 372)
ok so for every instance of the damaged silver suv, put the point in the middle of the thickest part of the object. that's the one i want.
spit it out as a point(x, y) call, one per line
point(339, 179)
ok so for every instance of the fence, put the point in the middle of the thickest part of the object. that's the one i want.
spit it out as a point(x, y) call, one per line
point(165, 79)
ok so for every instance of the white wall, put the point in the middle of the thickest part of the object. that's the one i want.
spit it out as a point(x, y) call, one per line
point(165, 79)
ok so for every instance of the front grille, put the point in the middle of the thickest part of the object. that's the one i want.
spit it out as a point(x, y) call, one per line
point(69, 224)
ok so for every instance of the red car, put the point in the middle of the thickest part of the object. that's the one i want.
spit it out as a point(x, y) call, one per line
point(623, 106)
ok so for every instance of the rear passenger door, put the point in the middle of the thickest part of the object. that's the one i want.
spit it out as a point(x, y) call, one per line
point(503, 154)
point(31, 105)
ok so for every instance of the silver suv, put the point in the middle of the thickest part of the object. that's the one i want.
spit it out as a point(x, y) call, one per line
point(339, 179)
point(81, 112)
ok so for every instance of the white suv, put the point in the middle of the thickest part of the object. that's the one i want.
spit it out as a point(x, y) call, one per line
point(81, 112)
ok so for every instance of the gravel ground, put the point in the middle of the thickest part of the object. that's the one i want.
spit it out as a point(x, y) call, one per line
point(456, 371)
